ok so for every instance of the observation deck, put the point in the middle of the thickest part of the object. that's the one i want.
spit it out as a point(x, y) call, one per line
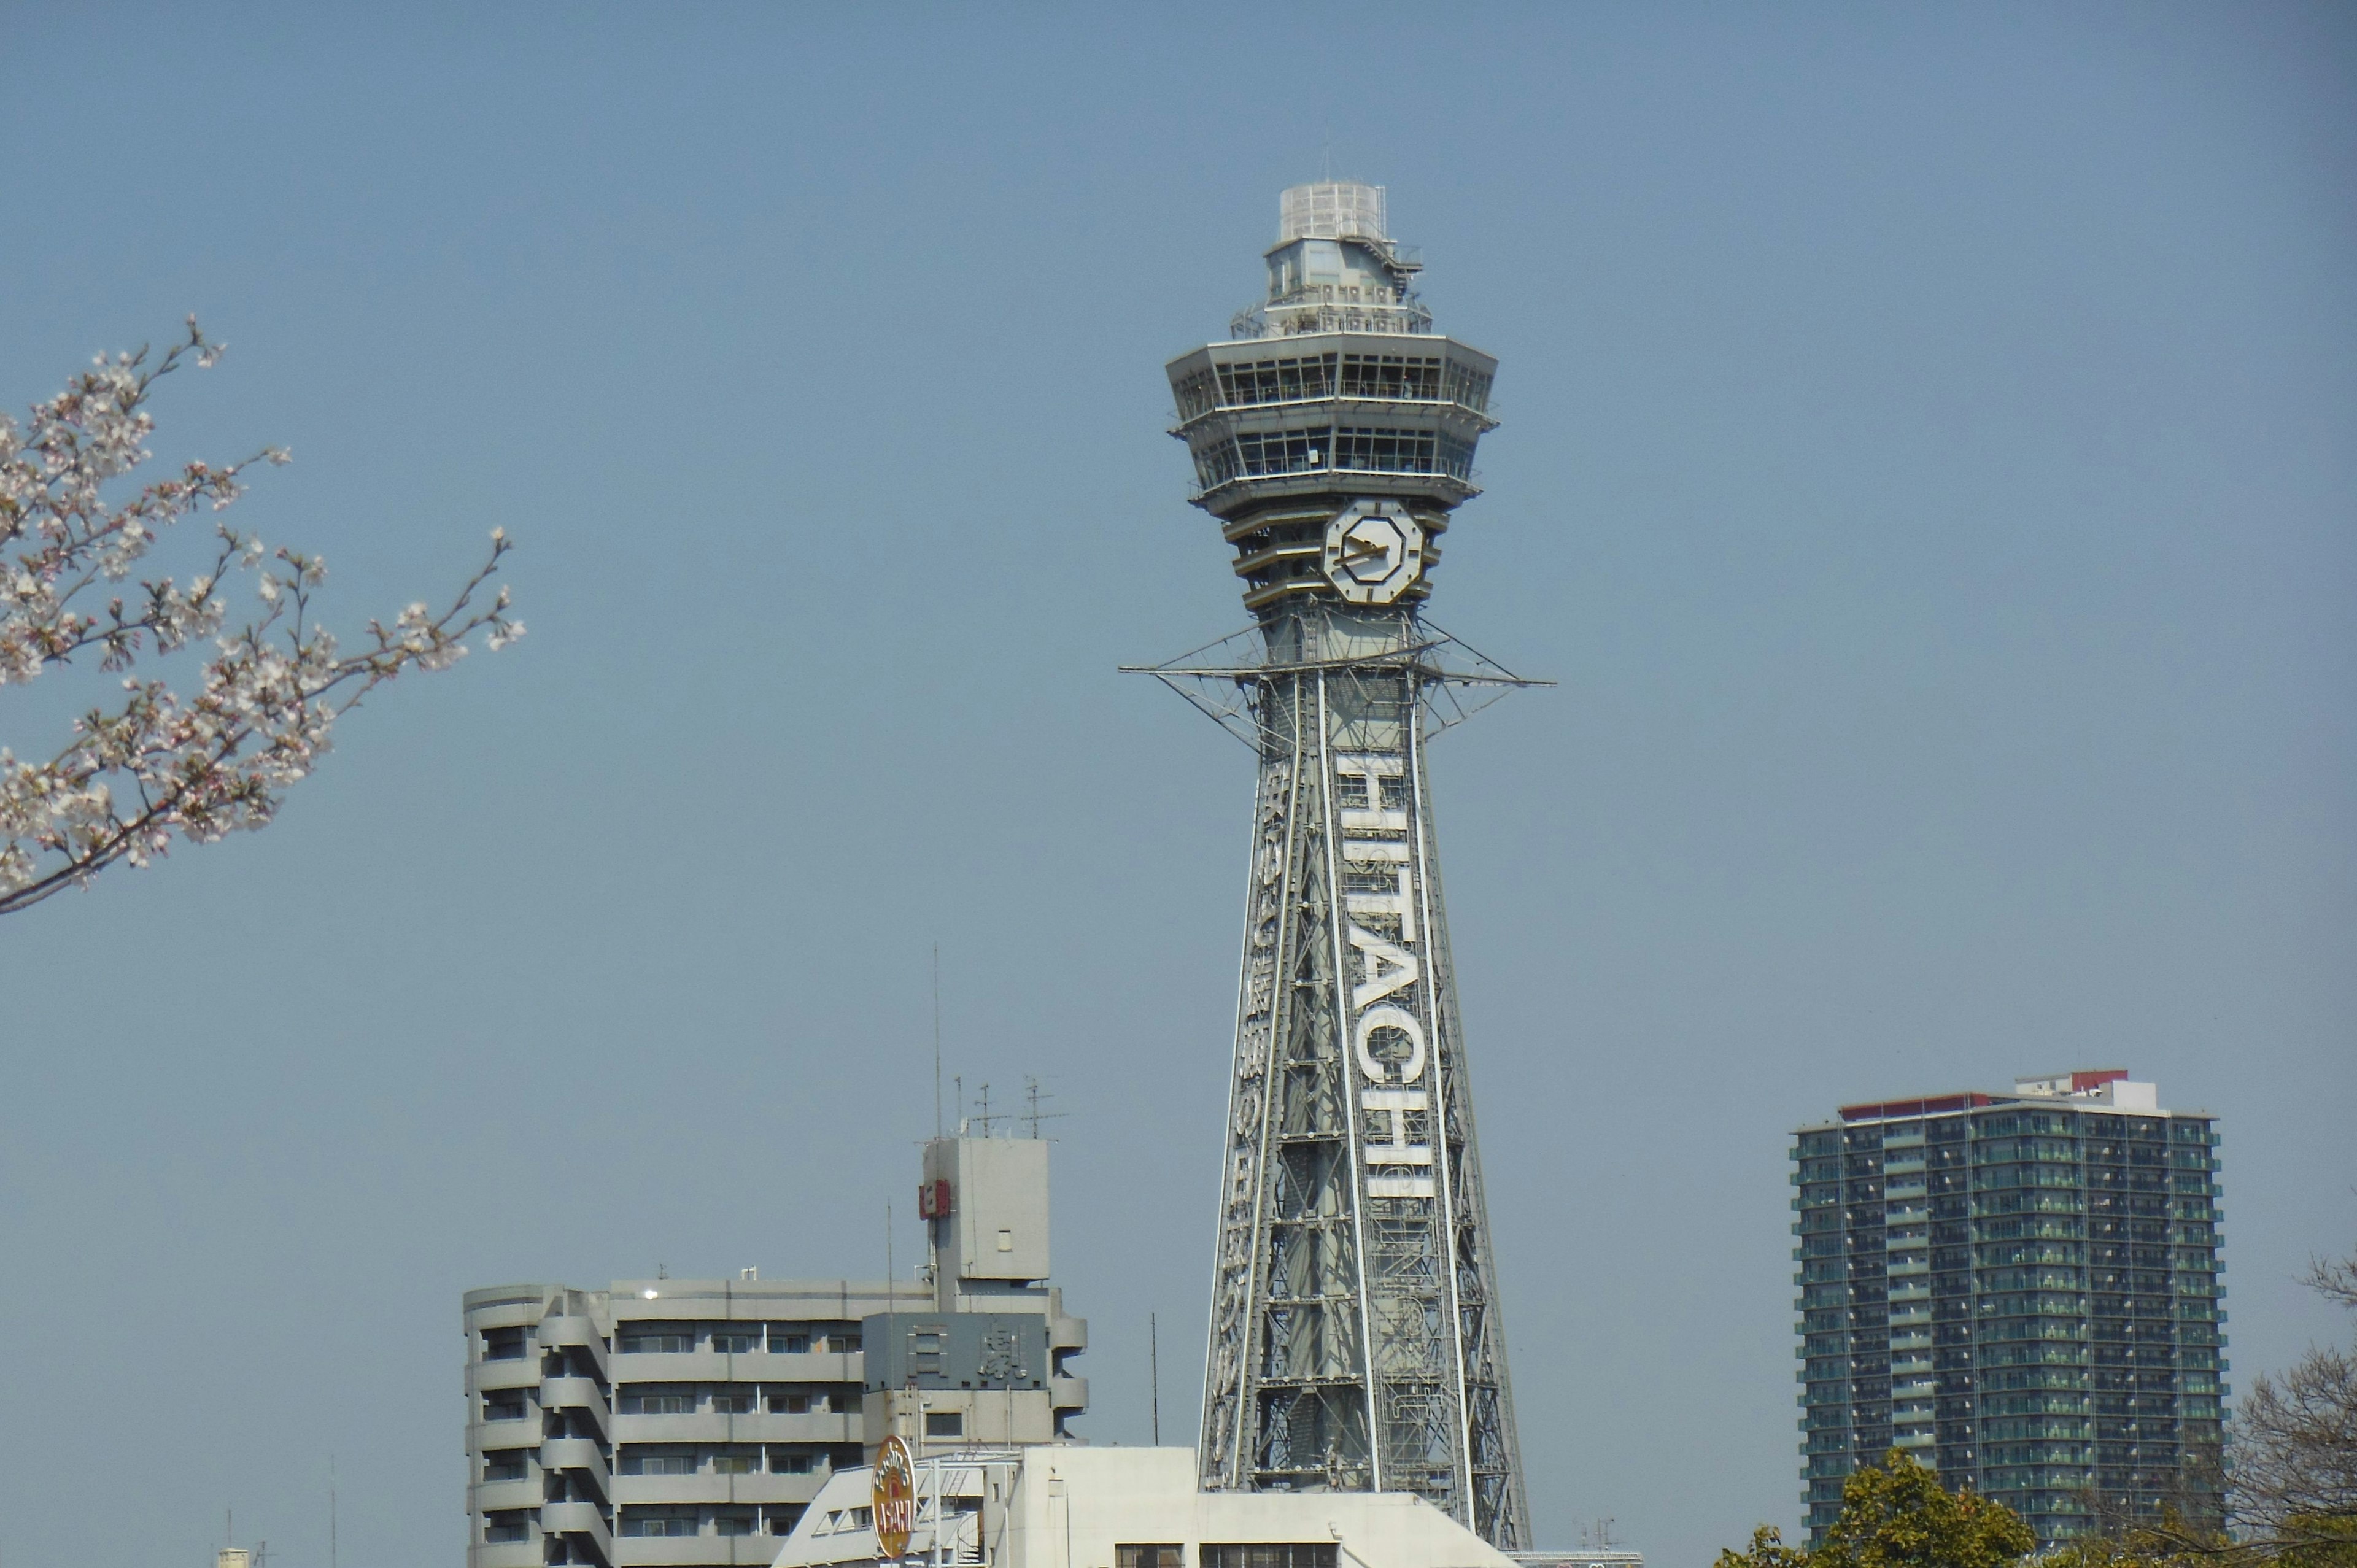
point(1334, 390)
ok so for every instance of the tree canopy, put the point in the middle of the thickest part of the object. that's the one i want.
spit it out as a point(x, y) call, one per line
point(1897, 1515)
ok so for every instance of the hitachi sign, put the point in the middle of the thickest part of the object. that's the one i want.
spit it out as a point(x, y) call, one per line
point(1381, 897)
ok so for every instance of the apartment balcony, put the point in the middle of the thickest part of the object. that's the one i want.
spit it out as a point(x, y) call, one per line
point(579, 1518)
point(516, 1372)
point(760, 1487)
point(484, 1497)
point(578, 1394)
point(674, 1366)
point(775, 1426)
point(722, 1366)
point(515, 1312)
point(799, 1366)
point(575, 1453)
point(690, 1552)
point(525, 1553)
point(566, 1333)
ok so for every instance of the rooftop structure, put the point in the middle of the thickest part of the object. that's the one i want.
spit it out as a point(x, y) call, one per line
point(2019, 1290)
point(1123, 1507)
point(1356, 1344)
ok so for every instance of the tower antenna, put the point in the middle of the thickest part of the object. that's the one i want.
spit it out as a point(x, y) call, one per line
point(937, 1039)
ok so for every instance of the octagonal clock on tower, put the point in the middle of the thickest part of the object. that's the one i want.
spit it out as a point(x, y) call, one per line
point(1356, 1336)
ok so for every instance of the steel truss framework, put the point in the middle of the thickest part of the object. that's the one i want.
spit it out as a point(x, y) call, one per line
point(1356, 1340)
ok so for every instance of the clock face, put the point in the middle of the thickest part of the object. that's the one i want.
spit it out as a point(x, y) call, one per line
point(1374, 552)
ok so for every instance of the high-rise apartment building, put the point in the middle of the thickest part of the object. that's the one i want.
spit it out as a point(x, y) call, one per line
point(2020, 1290)
point(688, 1422)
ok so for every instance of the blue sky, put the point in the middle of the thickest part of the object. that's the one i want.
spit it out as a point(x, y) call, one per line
point(1928, 467)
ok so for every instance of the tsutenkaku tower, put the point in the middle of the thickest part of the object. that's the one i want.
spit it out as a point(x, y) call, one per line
point(1355, 1342)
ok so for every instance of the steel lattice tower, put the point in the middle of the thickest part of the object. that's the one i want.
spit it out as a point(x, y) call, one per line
point(1356, 1342)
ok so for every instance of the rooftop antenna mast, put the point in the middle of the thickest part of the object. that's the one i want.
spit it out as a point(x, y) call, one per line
point(1033, 1094)
point(937, 1039)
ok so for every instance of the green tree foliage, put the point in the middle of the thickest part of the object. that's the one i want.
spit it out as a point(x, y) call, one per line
point(1898, 1516)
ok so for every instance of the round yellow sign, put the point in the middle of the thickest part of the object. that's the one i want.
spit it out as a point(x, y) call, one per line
point(892, 1494)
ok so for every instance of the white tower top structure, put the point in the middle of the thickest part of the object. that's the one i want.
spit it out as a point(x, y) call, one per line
point(1332, 210)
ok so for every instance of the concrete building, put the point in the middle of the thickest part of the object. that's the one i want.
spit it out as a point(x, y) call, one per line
point(2022, 1290)
point(687, 1423)
point(1127, 1508)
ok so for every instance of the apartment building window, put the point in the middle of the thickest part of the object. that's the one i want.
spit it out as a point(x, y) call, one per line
point(1269, 1554)
point(736, 1341)
point(781, 1521)
point(786, 1461)
point(733, 1523)
point(732, 1401)
point(794, 1404)
point(842, 1344)
point(789, 1339)
point(1155, 1556)
point(658, 1521)
point(507, 1404)
point(508, 1524)
point(505, 1465)
point(503, 1345)
point(657, 1338)
point(658, 1462)
point(652, 1398)
point(945, 1424)
point(746, 1463)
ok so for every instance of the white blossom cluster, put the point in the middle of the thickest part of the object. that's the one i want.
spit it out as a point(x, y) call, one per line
point(161, 763)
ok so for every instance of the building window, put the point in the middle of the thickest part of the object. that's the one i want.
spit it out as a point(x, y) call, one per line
point(653, 1523)
point(670, 1338)
point(781, 1521)
point(733, 1402)
point(783, 1462)
point(842, 1344)
point(507, 1465)
point(736, 1341)
point(1163, 1556)
point(508, 1524)
point(639, 1462)
point(945, 1424)
point(503, 1345)
point(792, 1404)
point(735, 1524)
point(655, 1401)
point(503, 1406)
point(789, 1339)
point(735, 1465)
point(1269, 1554)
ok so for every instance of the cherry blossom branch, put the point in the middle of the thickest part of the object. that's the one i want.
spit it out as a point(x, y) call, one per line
point(201, 767)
